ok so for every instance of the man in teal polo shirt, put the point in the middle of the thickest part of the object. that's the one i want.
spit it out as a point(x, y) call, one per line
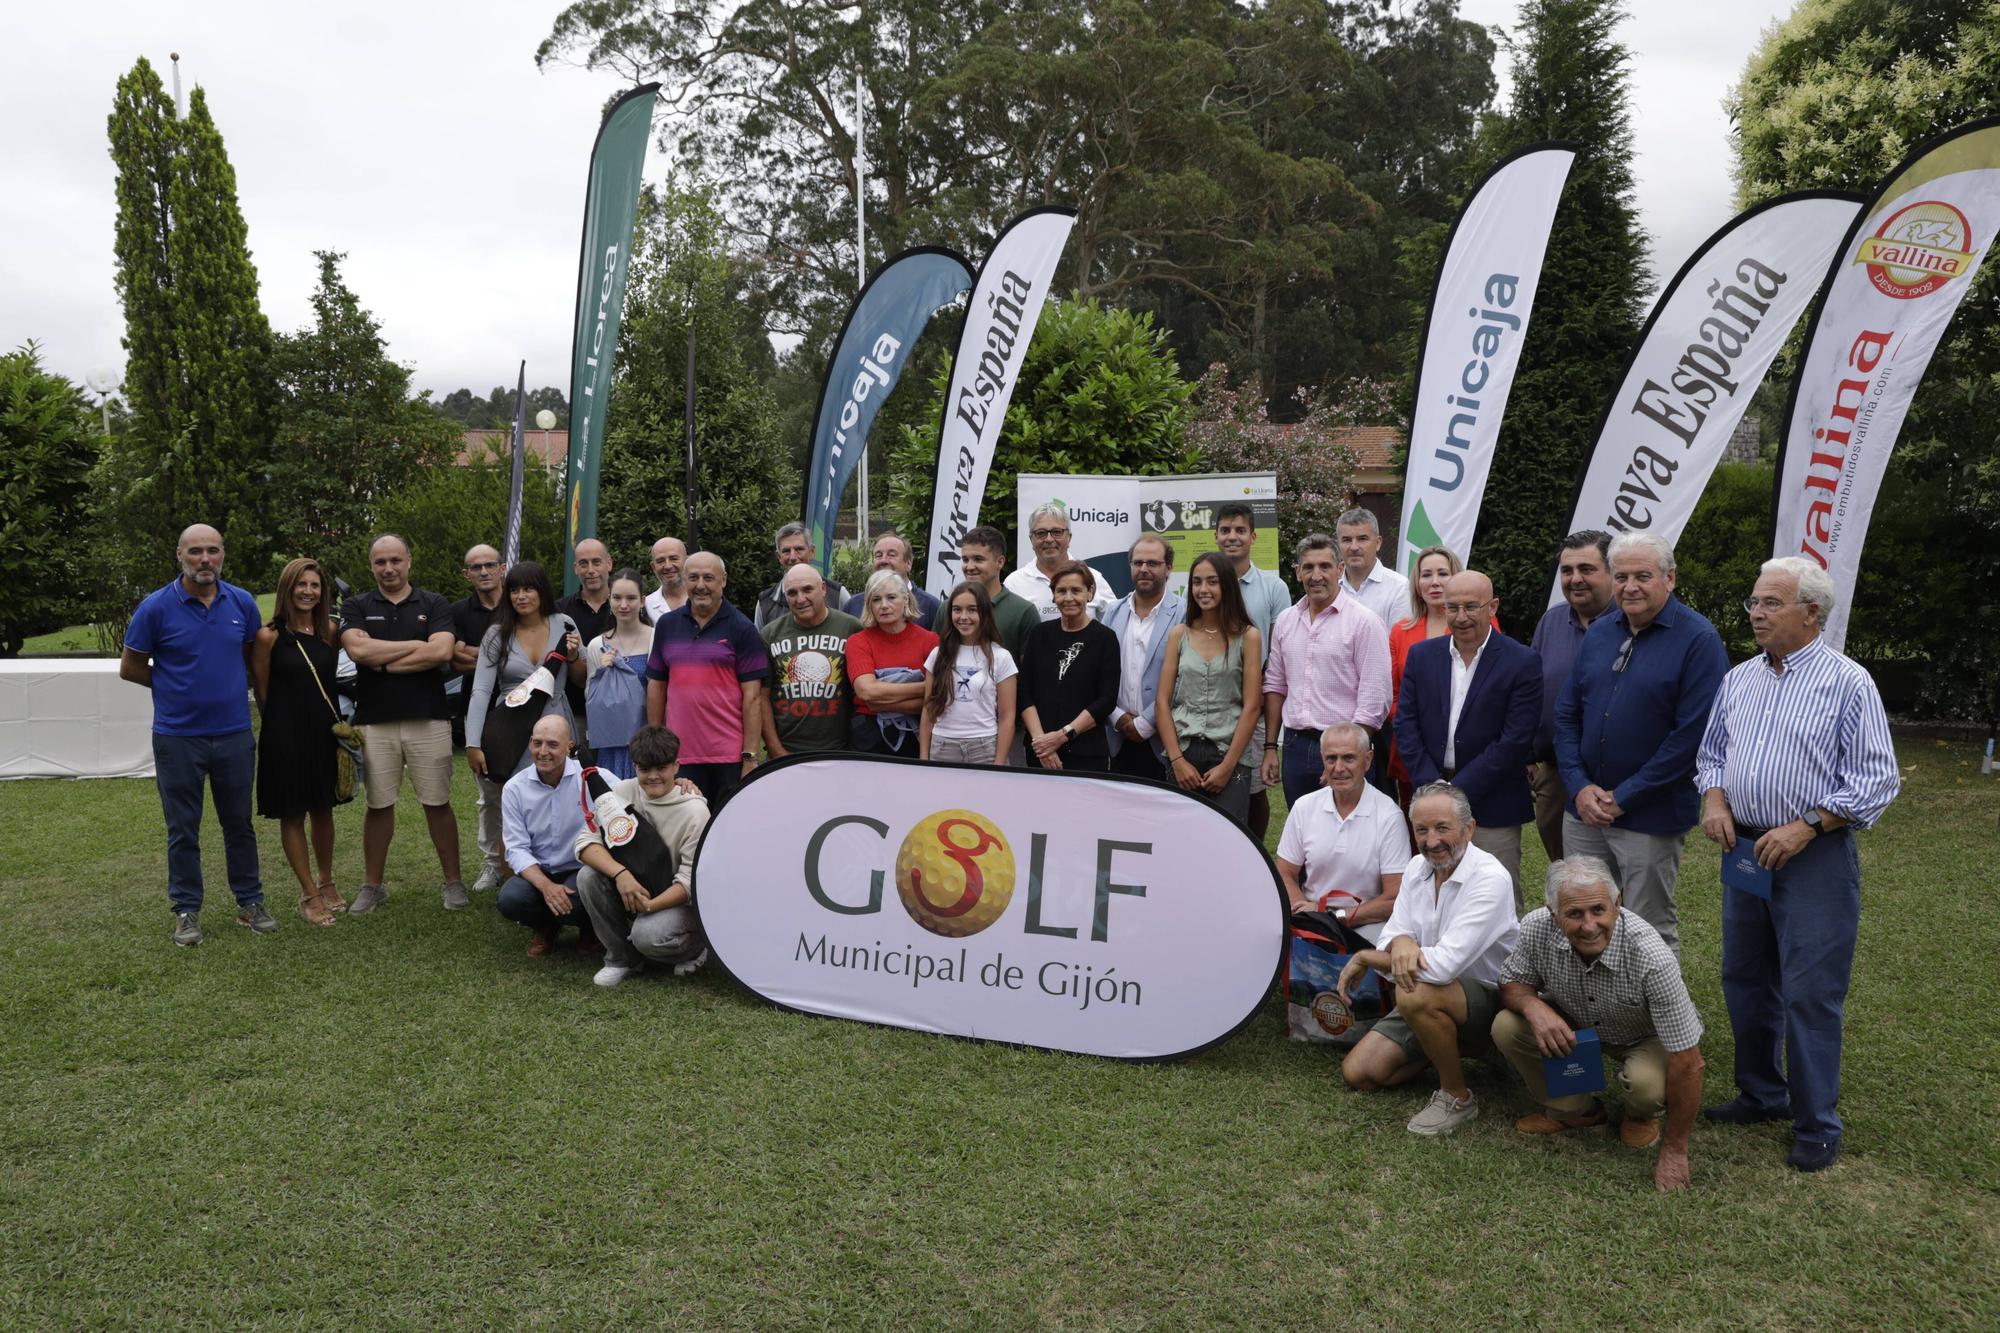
point(189, 643)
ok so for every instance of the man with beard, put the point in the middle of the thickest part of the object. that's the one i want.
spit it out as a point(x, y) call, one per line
point(1584, 575)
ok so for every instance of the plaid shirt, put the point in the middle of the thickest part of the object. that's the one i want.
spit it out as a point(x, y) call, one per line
point(1631, 991)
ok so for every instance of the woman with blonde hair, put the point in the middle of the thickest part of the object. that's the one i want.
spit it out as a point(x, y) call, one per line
point(292, 665)
point(885, 660)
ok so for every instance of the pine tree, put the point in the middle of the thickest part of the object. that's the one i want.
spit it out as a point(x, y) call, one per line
point(197, 373)
point(1571, 80)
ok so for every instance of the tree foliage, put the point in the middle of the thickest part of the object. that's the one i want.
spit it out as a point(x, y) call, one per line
point(1571, 77)
point(1098, 392)
point(682, 275)
point(349, 435)
point(446, 511)
point(1836, 96)
point(48, 441)
point(197, 376)
point(496, 410)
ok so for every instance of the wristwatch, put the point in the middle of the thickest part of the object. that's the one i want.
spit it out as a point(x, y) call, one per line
point(1813, 821)
point(1070, 732)
point(748, 755)
point(1340, 915)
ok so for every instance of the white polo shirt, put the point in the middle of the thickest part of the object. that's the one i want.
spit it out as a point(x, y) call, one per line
point(1343, 860)
point(1030, 583)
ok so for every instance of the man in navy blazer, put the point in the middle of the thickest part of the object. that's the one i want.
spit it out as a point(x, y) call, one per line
point(1467, 715)
point(1141, 620)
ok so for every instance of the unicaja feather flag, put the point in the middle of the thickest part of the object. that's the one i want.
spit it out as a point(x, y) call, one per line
point(869, 356)
point(999, 323)
point(611, 201)
point(1906, 263)
point(1472, 345)
point(1706, 347)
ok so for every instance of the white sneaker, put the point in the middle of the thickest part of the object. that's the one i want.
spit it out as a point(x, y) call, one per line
point(1443, 1113)
point(692, 965)
point(489, 880)
point(613, 974)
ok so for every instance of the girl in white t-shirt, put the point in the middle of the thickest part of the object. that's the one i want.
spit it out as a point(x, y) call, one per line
point(968, 713)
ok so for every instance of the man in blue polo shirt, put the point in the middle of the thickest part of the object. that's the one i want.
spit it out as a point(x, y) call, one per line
point(189, 643)
point(1628, 725)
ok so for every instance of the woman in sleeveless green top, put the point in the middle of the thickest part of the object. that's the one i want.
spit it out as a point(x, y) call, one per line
point(1211, 686)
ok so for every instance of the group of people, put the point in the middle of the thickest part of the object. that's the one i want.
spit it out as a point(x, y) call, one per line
point(1384, 707)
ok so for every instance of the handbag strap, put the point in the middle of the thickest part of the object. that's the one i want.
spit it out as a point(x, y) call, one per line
point(315, 675)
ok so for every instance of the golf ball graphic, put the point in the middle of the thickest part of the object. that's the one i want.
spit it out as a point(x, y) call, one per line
point(812, 668)
point(955, 873)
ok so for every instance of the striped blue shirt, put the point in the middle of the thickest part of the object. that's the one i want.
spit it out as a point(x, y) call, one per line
point(1813, 736)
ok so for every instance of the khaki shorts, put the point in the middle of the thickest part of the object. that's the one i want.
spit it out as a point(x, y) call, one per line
point(422, 745)
point(1482, 1002)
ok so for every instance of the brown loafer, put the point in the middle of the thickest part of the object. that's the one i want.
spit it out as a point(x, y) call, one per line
point(1638, 1133)
point(1541, 1122)
point(543, 941)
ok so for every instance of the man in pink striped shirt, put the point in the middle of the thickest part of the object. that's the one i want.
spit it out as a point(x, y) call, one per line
point(1329, 662)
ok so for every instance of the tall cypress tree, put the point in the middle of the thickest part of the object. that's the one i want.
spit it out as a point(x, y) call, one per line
point(1570, 82)
point(197, 373)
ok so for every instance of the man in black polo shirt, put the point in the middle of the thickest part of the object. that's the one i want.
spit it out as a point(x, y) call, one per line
point(400, 638)
point(470, 617)
point(590, 607)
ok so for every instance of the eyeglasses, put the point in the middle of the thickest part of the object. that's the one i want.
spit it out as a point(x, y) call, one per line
point(1149, 564)
point(1624, 658)
point(483, 566)
point(1768, 604)
point(1466, 608)
point(1048, 534)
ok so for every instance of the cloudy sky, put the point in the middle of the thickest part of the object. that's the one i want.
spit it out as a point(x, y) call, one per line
point(420, 138)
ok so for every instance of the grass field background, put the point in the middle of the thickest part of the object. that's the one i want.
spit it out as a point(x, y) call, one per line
point(404, 1121)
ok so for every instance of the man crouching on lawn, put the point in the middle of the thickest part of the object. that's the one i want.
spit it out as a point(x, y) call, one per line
point(642, 923)
point(1583, 961)
point(1452, 928)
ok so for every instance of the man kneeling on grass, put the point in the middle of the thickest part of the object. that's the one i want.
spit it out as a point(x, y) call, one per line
point(1452, 927)
point(642, 922)
point(541, 812)
point(1583, 961)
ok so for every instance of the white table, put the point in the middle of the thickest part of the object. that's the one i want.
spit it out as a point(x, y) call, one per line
point(71, 717)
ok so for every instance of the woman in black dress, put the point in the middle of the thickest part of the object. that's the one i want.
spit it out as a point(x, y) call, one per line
point(292, 670)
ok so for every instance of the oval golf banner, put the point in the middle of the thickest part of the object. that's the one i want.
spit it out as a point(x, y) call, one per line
point(1706, 347)
point(1908, 261)
point(1100, 915)
point(1478, 317)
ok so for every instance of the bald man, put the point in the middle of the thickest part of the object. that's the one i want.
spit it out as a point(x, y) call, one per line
point(811, 694)
point(541, 816)
point(470, 616)
point(669, 556)
point(1468, 712)
point(705, 681)
point(189, 643)
point(590, 608)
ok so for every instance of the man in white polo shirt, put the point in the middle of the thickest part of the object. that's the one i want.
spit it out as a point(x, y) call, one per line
point(1450, 933)
point(1346, 842)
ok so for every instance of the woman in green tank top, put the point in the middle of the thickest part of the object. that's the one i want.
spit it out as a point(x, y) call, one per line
point(1211, 686)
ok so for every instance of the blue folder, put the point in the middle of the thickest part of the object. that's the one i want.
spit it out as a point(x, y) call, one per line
point(1582, 1070)
point(1740, 870)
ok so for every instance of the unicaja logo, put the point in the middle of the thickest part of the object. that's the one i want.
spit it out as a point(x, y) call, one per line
point(1917, 250)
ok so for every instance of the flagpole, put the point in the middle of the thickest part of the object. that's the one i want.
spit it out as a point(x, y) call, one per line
point(860, 276)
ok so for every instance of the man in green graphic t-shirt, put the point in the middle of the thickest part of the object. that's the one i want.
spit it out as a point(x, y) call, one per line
point(807, 704)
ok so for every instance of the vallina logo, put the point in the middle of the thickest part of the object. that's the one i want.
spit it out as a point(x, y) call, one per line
point(1917, 250)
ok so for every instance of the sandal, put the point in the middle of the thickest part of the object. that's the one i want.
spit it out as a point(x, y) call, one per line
point(331, 896)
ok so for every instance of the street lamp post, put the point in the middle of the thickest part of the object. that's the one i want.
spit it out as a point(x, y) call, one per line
point(103, 383)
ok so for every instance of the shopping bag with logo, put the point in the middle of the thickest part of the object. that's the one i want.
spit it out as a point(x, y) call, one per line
point(1314, 1010)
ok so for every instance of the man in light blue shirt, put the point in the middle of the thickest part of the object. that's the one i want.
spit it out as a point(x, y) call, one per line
point(541, 814)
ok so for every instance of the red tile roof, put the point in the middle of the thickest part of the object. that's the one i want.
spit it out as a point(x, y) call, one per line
point(549, 448)
point(1374, 446)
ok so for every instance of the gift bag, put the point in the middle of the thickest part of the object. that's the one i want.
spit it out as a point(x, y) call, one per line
point(614, 701)
point(1314, 1010)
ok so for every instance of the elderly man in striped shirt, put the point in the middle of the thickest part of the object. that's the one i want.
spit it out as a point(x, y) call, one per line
point(1796, 757)
point(1585, 962)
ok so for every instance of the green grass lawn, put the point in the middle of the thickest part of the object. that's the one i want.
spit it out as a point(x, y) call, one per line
point(403, 1121)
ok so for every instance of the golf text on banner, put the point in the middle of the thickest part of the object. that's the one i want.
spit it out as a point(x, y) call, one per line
point(1100, 915)
point(1108, 513)
point(610, 201)
point(510, 547)
point(1706, 347)
point(1472, 344)
point(999, 323)
point(874, 345)
point(1907, 262)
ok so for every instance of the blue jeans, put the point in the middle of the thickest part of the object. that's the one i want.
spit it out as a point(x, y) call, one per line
point(1786, 964)
point(1303, 767)
point(228, 764)
point(521, 901)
